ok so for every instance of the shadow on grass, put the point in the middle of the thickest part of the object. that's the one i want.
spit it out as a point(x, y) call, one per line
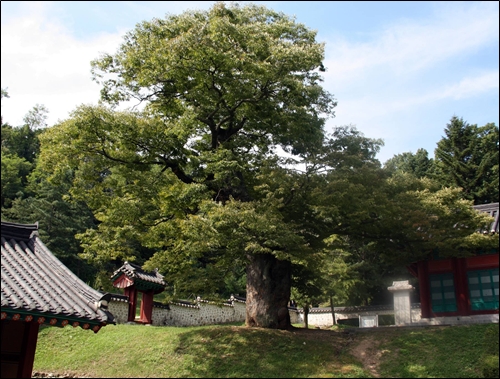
point(261, 353)
point(448, 351)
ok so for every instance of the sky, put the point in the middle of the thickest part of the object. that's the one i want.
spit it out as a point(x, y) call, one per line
point(398, 70)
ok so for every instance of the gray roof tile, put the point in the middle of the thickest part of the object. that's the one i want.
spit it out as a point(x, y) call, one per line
point(34, 282)
point(134, 271)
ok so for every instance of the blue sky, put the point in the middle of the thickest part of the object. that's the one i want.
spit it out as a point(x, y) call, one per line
point(399, 70)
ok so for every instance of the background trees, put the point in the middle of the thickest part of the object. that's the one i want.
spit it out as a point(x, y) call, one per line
point(467, 157)
point(28, 197)
point(418, 164)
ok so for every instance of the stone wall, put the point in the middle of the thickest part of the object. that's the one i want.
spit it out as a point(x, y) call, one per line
point(206, 313)
point(322, 317)
point(118, 306)
point(177, 314)
point(203, 313)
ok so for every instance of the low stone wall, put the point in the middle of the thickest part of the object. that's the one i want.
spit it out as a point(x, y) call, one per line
point(181, 314)
point(118, 306)
point(206, 313)
point(203, 313)
point(322, 317)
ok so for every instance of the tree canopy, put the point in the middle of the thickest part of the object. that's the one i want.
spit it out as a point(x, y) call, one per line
point(467, 157)
point(194, 183)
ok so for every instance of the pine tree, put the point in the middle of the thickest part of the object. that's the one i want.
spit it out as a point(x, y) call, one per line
point(467, 157)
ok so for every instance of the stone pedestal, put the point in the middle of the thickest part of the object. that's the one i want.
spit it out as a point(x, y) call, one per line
point(402, 306)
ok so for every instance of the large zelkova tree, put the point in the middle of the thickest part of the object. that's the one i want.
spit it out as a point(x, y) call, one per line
point(223, 89)
point(193, 183)
point(467, 157)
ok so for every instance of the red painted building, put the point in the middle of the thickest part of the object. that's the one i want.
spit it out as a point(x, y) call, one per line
point(460, 286)
point(133, 279)
point(38, 289)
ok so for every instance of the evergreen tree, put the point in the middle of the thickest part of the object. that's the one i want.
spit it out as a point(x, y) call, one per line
point(467, 157)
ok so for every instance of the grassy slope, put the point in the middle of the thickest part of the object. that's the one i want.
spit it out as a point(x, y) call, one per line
point(441, 352)
point(237, 351)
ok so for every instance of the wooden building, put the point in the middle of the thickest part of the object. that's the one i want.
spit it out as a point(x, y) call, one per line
point(133, 279)
point(460, 286)
point(37, 289)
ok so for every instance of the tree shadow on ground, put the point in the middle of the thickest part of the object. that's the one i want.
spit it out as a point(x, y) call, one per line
point(263, 353)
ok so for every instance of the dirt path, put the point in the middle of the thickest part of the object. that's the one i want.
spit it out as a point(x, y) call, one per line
point(362, 345)
point(365, 348)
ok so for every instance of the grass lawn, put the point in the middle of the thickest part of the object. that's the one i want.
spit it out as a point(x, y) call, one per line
point(224, 351)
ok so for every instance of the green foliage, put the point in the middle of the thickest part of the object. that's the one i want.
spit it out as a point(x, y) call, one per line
point(20, 147)
point(23, 140)
point(60, 218)
point(417, 164)
point(468, 158)
point(193, 185)
point(180, 185)
point(251, 81)
point(13, 179)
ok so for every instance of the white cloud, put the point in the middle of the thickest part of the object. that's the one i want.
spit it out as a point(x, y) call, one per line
point(389, 84)
point(408, 45)
point(44, 63)
point(470, 86)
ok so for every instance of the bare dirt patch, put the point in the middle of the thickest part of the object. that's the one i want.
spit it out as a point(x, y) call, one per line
point(364, 346)
point(366, 349)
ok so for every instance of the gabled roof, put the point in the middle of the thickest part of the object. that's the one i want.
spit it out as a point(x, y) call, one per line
point(37, 287)
point(492, 210)
point(131, 274)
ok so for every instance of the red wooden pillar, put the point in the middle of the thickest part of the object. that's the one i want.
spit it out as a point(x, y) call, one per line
point(461, 286)
point(131, 292)
point(30, 339)
point(425, 293)
point(147, 307)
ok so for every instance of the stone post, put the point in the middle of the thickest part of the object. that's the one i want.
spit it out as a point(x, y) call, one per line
point(402, 306)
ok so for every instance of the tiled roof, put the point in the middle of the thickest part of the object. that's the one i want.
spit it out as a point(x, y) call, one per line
point(37, 287)
point(139, 277)
point(492, 210)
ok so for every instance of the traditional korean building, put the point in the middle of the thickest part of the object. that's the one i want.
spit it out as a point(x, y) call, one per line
point(133, 279)
point(460, 286)
point(37, 289)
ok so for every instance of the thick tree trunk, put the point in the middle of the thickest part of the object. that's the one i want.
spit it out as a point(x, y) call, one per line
point(268, 292)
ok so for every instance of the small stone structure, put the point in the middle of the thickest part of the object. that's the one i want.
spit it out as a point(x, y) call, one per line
point(368, 321)
point(402, 306)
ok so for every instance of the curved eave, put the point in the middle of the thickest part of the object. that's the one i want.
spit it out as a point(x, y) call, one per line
point(51, 319)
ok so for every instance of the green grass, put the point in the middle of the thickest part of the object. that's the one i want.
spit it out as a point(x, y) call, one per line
point(227, 351)
point(441, 352)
